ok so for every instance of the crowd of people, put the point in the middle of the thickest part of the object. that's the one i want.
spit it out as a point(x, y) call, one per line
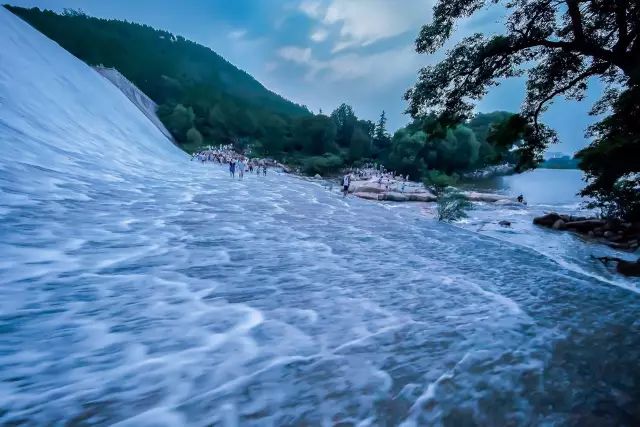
point(387, 180)
point(238, 163)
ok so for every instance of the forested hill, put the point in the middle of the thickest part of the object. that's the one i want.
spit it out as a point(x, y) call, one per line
point(170, 69)
point(204, 100)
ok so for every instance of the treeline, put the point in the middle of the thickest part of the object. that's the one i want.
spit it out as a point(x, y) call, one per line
point(204, 100)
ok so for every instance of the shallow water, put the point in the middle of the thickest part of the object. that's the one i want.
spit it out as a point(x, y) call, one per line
point(143, 289)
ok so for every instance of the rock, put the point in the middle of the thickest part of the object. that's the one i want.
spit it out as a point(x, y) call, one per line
point(505, 223)
point(364, 187)
point(394, 197)
point(368, 196)
point(629, 268)
point(483, 197)
point(547, 220)
point(317, 176)
point(585, 225)
point(559, 224)
point(608, 234)
point(422, 197)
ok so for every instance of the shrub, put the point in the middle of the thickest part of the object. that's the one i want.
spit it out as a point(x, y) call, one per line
point(452, 206)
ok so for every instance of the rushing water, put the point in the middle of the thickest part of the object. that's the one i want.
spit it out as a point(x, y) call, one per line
point(139, 288)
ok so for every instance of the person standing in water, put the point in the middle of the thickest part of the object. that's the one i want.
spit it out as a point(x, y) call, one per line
point(241, 168)
point(264, 170)
point(232, 168)
point(346, 181)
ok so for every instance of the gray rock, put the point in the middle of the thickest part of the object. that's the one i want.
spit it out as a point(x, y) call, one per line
point(559, 224)
point(546, 220)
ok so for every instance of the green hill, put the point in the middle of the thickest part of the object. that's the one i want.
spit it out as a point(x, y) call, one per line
point(173, 72)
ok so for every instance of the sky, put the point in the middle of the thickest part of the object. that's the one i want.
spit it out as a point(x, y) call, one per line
point(321, 53)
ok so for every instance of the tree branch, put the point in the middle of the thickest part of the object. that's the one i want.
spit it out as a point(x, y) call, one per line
point(596, 69)
point(621, 7)
point(576, 20)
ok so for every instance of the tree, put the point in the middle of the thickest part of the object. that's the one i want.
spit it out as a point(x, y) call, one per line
point(194, 137)
point(180, 121)
point(360, 145)
point(611, 161)
point(381, 137)
point(569, 43)
point(345, 120)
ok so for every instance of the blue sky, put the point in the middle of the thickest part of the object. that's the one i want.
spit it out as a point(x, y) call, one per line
point(321, 53)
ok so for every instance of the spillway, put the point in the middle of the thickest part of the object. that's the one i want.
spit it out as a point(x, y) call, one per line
point(139, 288)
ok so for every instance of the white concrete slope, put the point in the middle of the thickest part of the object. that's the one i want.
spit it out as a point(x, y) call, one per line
point(58, 113)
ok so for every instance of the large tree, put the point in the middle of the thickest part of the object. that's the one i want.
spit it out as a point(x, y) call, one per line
point(559, 44)
point(568, 41)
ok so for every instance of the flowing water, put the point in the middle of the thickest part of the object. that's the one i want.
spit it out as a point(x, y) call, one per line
point(139, 288)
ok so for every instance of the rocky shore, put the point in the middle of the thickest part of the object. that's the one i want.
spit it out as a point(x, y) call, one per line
point(616, 234)
point(372, 189)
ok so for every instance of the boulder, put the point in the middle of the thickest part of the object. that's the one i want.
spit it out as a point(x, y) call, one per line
point(394, 197)
point(505, 223)
point(422, 197)
point(546, 220)
point(586, 225)
point(364, 187)
point(317, 176)
point(368, 196)
point(559, 224)
point(483, 197)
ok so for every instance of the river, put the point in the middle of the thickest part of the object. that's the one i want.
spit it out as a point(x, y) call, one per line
point(139, 288)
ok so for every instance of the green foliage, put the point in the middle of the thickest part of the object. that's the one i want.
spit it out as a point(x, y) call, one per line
point(178, 121)
point(562, 47)
point(426, 145)
point(452, 206)
point(438, 181)
point(329, 163)
point(612, 162)
point(194, 137)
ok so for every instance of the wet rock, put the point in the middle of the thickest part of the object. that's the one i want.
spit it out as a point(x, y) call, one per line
point(586, 225)
point(505, 223)
point(317, 176)
point(559, 224)
point(422, 197)
point(608, 234)
point(394, 197)
point(546, 220)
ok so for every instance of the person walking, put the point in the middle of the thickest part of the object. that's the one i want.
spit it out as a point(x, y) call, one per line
point(346, 181)
point(241, 167)
point(232, 168)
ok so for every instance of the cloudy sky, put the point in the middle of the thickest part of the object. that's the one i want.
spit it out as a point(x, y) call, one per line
point(321, 53)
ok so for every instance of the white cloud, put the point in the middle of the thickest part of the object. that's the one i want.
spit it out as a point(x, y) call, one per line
point(298, 55)
point(362, 22)
point(312, 8)
point(237, 34)
point(319, 35)
point(380, 68)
